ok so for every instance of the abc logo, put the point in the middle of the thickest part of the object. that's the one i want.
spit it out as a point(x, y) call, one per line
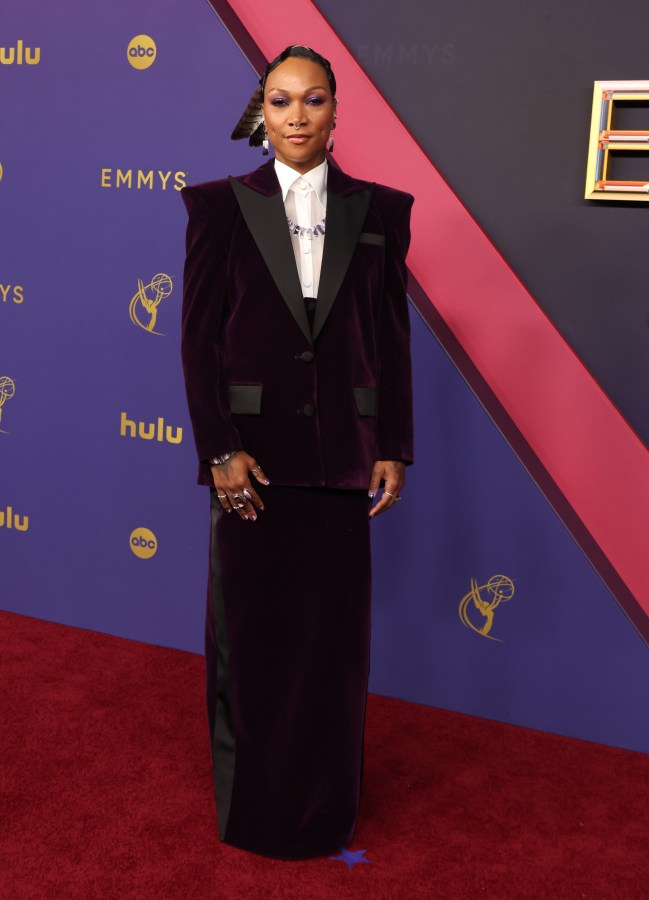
point(141, 51)
point(143, 543)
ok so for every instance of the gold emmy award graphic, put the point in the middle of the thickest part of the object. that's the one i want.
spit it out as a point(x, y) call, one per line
point(499, 589)
point(7, 390)
point(147, 299)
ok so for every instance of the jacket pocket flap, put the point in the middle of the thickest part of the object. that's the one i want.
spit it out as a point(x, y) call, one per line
point(245, 399)
point(368, 237)
point(365, 400)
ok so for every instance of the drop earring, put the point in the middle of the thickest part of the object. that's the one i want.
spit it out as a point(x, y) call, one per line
point(264, 143)
point(331, 137)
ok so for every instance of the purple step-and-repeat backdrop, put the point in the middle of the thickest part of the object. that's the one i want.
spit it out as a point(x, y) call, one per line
point(482, 601)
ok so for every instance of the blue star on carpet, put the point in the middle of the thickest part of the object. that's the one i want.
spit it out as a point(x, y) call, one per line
point(351, 857)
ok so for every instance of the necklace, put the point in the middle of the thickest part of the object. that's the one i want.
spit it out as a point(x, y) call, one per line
point(306, 231)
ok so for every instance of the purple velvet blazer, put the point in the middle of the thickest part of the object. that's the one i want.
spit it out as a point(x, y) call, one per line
point(314, 406)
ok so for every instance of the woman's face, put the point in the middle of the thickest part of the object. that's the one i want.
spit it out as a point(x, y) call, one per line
point(297, 92)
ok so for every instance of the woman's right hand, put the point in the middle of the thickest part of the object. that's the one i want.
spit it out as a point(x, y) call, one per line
point(233, 486)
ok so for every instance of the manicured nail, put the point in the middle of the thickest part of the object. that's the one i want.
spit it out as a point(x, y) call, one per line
point(266, 481)
point(370, 494)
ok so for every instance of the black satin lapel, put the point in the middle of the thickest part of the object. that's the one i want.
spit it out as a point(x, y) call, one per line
point(345, 219)
point(266, 219)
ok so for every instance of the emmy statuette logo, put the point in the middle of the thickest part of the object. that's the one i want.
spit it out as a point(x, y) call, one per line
point(476, 609)
point(30, 56)
point(143, 543)
point(10, 519)
point(1, 171)
point(7, 390)
point(143, 308)
point(141, 51)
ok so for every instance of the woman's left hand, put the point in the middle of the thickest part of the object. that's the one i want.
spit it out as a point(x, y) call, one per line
point(393, 472)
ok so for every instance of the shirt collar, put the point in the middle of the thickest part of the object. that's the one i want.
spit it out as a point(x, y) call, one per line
point(317, 178)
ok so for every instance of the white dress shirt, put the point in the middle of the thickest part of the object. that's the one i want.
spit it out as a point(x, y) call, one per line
point(305, 202)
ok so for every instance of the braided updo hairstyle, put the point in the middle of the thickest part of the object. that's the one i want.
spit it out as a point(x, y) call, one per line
point(302, 52)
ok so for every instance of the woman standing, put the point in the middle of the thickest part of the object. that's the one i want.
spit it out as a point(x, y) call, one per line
point(297, 368)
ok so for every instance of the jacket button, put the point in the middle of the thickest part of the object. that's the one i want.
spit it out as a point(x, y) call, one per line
point(308, 409)
point(307, 356)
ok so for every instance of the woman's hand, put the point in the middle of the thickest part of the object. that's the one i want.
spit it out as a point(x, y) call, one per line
point(233, 487)
point(393, 472)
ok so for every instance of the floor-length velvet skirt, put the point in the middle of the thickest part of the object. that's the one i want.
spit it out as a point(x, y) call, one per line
point(287, 661)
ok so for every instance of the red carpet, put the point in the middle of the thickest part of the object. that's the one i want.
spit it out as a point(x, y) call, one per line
point(106, 792)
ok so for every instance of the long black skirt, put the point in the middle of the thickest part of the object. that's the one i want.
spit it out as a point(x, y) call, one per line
point(287, 644)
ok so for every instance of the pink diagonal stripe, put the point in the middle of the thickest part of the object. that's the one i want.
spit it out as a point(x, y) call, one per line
point(589, 450)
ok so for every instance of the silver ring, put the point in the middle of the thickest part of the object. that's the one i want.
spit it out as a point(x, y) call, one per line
point(222, 496)
point(388, 493)
point(247, 494)
point(238, 497)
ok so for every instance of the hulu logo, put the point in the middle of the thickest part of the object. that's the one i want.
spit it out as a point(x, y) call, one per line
point(150, 431)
